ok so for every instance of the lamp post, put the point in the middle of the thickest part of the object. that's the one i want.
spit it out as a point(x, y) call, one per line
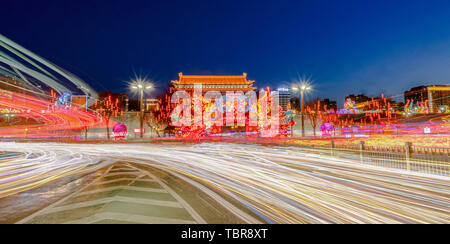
point(304, 87)
point(141, 85)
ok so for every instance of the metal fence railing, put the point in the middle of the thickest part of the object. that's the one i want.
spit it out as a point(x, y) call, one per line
point(431, 160)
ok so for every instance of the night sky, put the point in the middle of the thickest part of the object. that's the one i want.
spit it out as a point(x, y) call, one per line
point(344, 46)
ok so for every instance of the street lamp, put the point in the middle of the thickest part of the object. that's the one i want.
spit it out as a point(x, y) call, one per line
point(303, 87)
point(141, 85)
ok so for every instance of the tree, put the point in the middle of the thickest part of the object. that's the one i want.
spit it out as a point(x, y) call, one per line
point(313, 113)
point(156, 122)
point(107, 107)
point(162, 119)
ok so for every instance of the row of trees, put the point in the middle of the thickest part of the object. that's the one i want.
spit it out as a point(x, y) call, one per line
point(110, 106)
point(315, 111)
point(376, 111)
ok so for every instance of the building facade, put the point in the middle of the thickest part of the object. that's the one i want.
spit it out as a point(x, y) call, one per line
point(435, 96)
point(284, 96)
point(360, 98)
point(329, 104)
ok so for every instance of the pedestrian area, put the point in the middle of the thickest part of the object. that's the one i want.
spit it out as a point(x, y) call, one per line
point(122, 194)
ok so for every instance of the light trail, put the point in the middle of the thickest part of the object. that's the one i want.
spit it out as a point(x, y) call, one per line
point(51, 122)
point(280, 184)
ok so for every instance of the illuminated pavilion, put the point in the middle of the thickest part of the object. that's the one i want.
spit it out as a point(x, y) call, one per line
point(221, 83)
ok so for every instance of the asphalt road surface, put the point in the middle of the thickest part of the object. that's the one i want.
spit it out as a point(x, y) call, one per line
point(255, 184)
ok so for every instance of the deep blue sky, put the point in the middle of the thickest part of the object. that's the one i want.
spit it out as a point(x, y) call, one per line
point(345, 46)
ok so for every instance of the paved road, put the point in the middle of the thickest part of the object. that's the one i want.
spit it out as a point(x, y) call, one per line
point(271, 184)
point(120, 194)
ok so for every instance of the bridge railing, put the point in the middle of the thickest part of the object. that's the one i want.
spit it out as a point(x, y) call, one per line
point(431, 160)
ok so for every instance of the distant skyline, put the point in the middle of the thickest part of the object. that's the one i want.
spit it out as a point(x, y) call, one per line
point(346, 47)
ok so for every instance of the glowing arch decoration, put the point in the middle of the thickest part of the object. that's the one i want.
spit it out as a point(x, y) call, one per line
point(120, 131)
point(37, 75)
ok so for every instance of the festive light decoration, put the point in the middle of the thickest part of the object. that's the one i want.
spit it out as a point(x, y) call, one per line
point(243, 112)
point(327, 129)
point(287, 118)
point(444, 109)
point(41, 119)
point(65, 100)
point(349, 107)
point(419, 107)
point(120, 131)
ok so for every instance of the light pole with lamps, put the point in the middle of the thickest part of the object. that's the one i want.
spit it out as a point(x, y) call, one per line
point(302, 88)
point(141, 85)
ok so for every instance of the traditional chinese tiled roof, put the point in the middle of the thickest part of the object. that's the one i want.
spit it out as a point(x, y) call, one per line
point(214, 82)
point(213, 79)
